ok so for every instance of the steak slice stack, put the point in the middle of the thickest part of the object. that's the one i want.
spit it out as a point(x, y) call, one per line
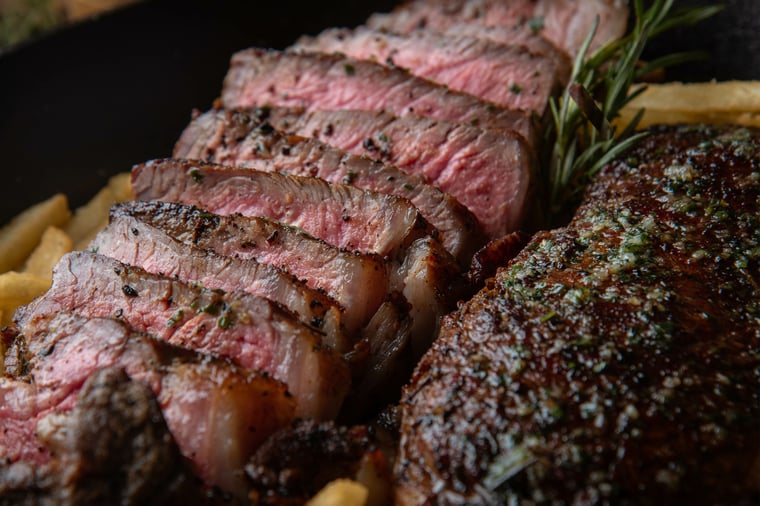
point(218, 414)
point(614, 360)
point(490, 172)
point(251, 331)
point(319, 81)
point(136, 243)
point(247, 140)
point(566, 23)
point(511, 76)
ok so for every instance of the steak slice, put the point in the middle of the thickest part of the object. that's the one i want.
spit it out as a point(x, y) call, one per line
point(241, 139)
point(343, 275)
point(566, 23)
point(511, 76)
point(612, 361)
point(521, 35)
point(319, 81)
point(492, 173)
point(113, 448)
point(251, 331)
point(341, 215)
point(218, 414)
point(136, 243)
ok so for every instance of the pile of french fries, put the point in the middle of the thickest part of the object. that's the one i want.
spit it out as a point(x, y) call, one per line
point(33, 242)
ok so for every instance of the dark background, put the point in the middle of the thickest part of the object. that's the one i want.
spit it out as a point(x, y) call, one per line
point(90, 100)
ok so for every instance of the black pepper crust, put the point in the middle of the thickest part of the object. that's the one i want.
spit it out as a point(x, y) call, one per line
point(614, 361)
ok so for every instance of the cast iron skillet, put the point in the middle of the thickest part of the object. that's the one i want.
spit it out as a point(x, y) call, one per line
point(93, 99)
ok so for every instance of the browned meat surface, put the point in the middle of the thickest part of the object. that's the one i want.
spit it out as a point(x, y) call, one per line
point(490, 172)
point(339, 214)
point(217, 413)
point(251, 331)
point(296, 462)
point(614, 361)
point(566, 23)
point(319, 81)
point(113, 448)
point(247, 139)
point(511, 76)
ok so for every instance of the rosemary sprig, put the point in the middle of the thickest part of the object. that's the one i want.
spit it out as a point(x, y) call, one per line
point(584, 139)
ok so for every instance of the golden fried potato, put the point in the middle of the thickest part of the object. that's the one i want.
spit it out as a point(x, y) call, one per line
point(121, 186)
point(734, 102)
point(90, 216)
point(54, 244)
point(340, 493)
point(19, 237)
point(19, 288)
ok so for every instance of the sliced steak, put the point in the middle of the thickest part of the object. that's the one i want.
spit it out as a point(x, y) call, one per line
point(613, 361)
point(427, 276)
point(341, 215)
point(136, 243)
point(492, 173)
point(343, 275)
point(252, 331)
point(521, 35)
point(242, 139)
point(566, 23)
point(217, 414)
point(113, 448)
point(319, 81)
point(511, 76)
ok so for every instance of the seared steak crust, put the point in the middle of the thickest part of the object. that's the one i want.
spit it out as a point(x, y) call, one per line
point(511, 76)
point(113, 448)
point(320, 81)
point(218, 414)
point(341, 215)
point(247, 139)
point(492, 173)
point(566, 23)
point(615, 360)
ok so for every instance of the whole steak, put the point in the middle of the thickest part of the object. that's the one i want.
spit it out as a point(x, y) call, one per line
point(613, 361)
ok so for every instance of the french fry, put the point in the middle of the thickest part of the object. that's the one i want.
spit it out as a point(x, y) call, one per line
point(90, 216)
point(85, 241)
point(340, 493)
point(729, 102)
point(121, 186)
point(19, 237)
point(53, 245)
point(17, 289)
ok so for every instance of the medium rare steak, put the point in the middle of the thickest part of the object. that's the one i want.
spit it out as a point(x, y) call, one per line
point(511, 76)
point(246, 139)
point(217, 414)
point(251, 331)
point(566, 23)
point(615, 360)
point(492, 173)
point(136, 243)
point(341, 215)
point(343, 275)
point(520, 35)
point(319, 81)
point(113, 448)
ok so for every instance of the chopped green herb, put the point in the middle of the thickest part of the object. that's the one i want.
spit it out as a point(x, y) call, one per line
point(195, 174)
point(536, 24)
point(515, 88)
point(350, 70)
